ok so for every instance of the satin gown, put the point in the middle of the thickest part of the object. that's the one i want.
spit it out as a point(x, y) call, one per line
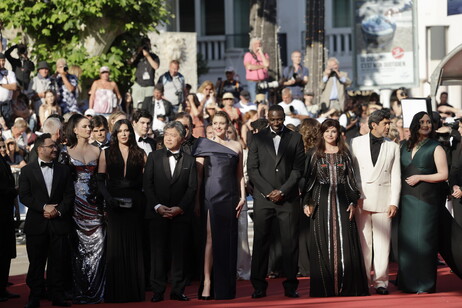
point(420, 209)
point(221, 196)
point(125, 281)
point(88, 258)
point(336, 262)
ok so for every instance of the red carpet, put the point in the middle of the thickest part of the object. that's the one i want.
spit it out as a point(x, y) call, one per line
point(449, 294)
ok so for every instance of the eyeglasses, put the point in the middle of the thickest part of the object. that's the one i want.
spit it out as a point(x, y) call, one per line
point(51, 146)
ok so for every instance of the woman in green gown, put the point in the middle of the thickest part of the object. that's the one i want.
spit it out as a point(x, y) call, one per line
point(424, 171)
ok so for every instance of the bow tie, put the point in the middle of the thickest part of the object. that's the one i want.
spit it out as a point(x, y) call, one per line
point(274, 134)
point(44, 164)
point(175, 155)
point(376, 140)
point(141, 139)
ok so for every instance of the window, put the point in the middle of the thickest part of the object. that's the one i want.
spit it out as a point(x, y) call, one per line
point(187, 16)
point(214, 17)
point(341, 12)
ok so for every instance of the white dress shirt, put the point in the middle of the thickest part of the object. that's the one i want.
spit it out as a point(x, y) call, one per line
point(47, 176)
point(143, 144)
point(172, 162)
point(276, 140)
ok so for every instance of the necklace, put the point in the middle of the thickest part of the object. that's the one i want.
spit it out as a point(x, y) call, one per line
point(420, 144)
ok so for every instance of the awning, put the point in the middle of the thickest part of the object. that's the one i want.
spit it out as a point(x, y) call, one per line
point(448, 72)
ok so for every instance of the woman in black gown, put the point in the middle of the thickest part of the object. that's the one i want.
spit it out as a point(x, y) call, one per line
point(336, 262)
point(121, 165)
point(220, 170)
point(424, 170)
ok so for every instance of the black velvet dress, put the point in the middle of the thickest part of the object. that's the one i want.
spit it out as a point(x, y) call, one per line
point(124, 266)
point(221, 196)
point(336, 262)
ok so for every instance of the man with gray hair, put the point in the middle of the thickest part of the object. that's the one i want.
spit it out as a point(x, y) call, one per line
point(333, 87)
point(377, 160)
point(52, 126)
point(170, 183)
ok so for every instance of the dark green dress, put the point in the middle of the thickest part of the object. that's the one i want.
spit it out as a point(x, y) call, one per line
point(418, 229)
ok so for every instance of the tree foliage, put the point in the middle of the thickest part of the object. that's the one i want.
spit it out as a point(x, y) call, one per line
point(88, 33)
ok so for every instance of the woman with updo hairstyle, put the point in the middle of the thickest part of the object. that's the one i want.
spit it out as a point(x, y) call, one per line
point(88, 254)
point(221, 180)
point(331, 195)
point(120, 181)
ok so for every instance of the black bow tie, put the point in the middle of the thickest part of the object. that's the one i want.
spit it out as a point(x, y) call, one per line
point(376, 140)
point(141, 139)
point(175, 155)
point(274, 134)
point(44, 164)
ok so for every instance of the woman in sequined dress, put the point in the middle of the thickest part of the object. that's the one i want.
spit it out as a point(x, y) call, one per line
point(88, 241)
point(336, 262)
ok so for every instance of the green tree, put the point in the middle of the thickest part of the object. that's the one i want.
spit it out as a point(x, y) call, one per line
point(88, 33)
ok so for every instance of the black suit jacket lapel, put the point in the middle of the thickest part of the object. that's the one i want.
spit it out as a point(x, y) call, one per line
point(285, 139)
point(270, 144)
point(39, 177)
point(56, 179)
point(166, 165)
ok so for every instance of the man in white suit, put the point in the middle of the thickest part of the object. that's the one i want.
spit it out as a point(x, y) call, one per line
point(377, 160)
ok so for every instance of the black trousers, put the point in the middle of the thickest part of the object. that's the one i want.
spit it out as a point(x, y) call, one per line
point(287, 215)
point(168, 250)
point(40, 248)
point(5, 262)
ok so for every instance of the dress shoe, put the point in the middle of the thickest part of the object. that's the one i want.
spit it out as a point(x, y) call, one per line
point(291, 294)
point(381, 291)
point(258, 294)
point(9, 295)
point(157, 297)
point(60, 303)
point(32, 304)
point(179, 297)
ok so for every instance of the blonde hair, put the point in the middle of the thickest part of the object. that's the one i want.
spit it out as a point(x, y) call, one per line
point(204, 85)
point(113, 116)
point(20, 123)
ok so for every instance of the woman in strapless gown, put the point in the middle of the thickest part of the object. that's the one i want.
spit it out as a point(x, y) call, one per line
point(88, 240)
point(223, 196)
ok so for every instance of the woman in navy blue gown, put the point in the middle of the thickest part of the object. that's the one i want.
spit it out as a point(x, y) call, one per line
point(223, 195)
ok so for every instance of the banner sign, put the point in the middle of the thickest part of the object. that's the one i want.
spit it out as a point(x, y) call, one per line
point(385, 45)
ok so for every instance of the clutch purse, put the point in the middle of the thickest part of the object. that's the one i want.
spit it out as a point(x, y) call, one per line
point(125, 203)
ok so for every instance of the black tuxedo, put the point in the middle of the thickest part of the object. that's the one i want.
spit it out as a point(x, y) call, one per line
point(7, 232)
point(179, 190)
point(148, 104)
point(46, 238)
point(267, 172)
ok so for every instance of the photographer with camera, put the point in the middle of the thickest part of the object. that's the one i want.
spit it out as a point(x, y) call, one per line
point(295, 77)
point(7, 87)
point(333, 93)
point(294, 109)
point(174, 85)
point(146, 64)
point(22, 66)
point(67, 87)
point(256, 64)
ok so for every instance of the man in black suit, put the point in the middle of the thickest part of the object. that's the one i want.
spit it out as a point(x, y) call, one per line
point(47, 189)
point(170, 183)
point(275, 166)
point(8, 193)
point(160, 108)
point(99, 130)
point(142, 121)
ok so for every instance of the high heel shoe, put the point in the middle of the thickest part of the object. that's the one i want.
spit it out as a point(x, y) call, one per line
point(205, 298)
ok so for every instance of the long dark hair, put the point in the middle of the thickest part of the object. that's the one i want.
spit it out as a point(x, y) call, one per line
point(135, 152)
point(71, 137)
point(321, 146)
point(414, 130)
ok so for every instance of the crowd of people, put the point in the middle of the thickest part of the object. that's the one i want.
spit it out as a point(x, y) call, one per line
point(119, 191)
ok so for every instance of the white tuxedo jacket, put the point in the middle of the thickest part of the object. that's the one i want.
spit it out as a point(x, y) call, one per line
point(380, 185)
